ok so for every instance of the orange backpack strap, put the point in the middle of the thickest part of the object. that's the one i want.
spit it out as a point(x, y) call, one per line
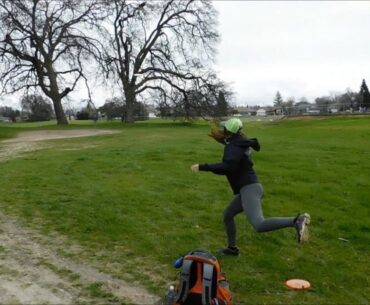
point(207, 284)
point(185, 281)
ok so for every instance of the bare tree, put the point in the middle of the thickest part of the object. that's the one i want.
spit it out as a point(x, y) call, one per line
point(162, 47)
point(36, 107)
point(43, 44)
point(9, 112)
point(288, 105)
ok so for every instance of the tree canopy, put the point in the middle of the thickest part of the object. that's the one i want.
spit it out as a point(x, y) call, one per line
point(44, 45)
point(164, 49)
point(159, 50)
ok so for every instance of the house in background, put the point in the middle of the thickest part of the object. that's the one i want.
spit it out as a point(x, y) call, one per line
point(261, 112)
point(245, 110)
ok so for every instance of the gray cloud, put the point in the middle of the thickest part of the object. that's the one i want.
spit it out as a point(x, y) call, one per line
point(301, 48)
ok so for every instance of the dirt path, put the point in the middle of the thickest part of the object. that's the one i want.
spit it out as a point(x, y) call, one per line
point(28, 141)
point(32, 272)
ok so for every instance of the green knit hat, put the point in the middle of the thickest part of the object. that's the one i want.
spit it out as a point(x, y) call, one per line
point(233, 125)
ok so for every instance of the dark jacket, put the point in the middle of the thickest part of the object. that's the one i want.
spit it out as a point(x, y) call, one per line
point(236, 163)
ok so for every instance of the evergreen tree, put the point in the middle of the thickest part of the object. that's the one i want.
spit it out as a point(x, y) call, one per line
point(278, 100)
point(222, 105)
point(278, 103)
point(365, 95)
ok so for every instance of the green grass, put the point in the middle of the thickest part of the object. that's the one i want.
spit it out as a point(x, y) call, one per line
point(7, 132)
point(131, 200)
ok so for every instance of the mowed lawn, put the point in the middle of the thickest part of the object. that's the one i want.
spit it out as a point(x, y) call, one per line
point(132, 203)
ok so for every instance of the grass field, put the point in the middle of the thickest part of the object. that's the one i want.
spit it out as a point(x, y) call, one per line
point(131, 201)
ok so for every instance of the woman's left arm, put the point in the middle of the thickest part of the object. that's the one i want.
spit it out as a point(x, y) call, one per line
point(230, 161)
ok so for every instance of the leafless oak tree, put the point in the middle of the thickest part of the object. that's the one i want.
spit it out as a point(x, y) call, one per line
point(43, 43)
point(163, 47)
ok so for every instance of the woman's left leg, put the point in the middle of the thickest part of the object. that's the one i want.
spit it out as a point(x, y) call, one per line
point(251, 196)
point(234, 208)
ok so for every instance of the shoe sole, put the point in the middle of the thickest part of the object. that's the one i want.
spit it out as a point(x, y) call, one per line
point(221, 252)
point(304, 233)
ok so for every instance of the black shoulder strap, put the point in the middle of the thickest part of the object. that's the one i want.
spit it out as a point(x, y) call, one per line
point(207, 284)
point(185, 281)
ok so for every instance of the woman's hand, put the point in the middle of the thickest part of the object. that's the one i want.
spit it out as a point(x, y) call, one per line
point(195, 168)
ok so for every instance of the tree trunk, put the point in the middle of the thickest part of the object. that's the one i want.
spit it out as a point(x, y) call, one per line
point(130, 105)
point(55, 96)
point(59, 112)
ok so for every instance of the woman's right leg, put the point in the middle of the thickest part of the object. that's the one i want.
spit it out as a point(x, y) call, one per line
point(234, 208)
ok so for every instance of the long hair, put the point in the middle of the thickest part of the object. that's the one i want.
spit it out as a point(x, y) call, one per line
point(220, 134)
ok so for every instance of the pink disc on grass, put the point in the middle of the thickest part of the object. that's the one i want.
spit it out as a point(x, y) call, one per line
point(297, 284)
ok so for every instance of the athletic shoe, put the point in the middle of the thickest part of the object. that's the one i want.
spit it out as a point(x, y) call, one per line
point(301, 223)
point(231, 251)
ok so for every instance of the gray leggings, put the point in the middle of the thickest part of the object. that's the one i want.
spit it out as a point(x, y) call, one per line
point(249, 201)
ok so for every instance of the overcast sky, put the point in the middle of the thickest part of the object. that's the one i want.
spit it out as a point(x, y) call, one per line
point(301, 48)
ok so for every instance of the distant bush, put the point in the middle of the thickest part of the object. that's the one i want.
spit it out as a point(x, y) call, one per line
point(83, 115)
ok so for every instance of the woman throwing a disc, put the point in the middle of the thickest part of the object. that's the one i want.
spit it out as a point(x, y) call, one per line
point(238, 167)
